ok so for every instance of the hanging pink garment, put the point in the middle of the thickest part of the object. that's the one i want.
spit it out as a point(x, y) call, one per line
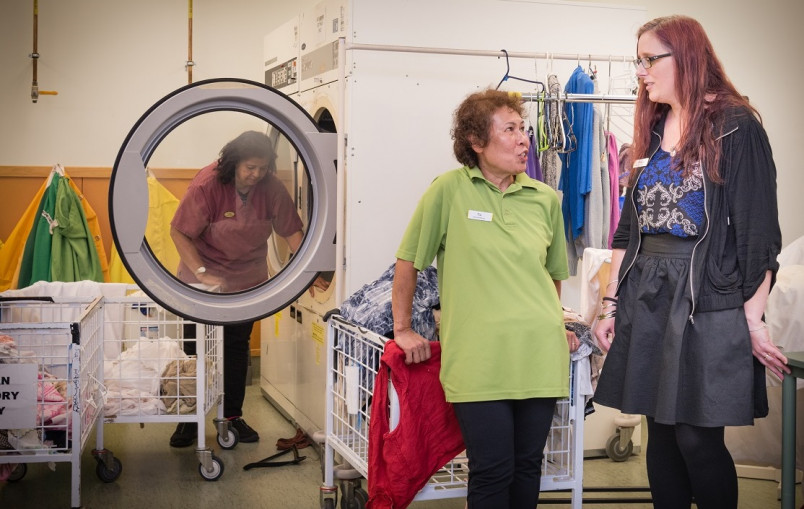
point(614, 183)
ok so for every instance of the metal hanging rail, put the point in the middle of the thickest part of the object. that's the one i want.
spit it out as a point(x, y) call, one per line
point(582, 98)
point(570, 98)
point(487, 53)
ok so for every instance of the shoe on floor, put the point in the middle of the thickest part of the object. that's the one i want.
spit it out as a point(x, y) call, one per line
point(245, 432)
point(288, 443)
point(185, 434)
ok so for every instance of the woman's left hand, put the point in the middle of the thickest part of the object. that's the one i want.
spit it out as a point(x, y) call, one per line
point(573, 341)
point(768, 354)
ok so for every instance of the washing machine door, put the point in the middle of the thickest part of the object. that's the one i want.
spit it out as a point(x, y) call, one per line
point(199, 119)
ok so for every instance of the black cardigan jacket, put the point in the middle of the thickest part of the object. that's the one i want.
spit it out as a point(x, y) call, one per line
point(741, 237)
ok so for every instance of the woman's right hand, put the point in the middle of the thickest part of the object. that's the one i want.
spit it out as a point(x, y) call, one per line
point(415, 346)
point(604, 332)
point(213, 283)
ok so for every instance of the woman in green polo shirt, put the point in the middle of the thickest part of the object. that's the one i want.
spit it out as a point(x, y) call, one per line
point(498, 238)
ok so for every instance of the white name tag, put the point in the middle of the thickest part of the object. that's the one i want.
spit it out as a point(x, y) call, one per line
point(479, 216)
point(639, 163)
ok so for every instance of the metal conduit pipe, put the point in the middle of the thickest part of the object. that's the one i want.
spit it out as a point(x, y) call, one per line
point(189, 64)
point(35, 92)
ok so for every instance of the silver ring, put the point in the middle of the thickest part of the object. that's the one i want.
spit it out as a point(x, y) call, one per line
point(767, 356)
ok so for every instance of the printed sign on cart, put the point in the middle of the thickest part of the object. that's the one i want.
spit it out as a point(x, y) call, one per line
point(17, 396)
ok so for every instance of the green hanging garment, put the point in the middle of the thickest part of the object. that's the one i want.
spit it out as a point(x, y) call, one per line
point(35, 261)
point(74, 255)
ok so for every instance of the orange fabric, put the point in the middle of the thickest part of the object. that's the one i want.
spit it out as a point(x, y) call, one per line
point(12, 249)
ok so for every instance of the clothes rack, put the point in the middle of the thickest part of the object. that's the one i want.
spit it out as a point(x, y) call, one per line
point(584, 98)
point(488, 53)
point(594, 98)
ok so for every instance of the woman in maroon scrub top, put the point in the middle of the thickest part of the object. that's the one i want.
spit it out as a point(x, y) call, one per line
point(221, 231)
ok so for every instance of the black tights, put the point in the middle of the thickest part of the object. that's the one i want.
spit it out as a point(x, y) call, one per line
point(686, 462)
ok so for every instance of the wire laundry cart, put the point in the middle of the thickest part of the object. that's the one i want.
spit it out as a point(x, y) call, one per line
point(152, 380)
point(51, 367)
point(353, 358)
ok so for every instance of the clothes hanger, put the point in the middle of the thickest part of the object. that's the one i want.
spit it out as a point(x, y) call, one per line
point(608, 106)
point(538, 134)
point(57, 168)
point(542, 139)
point(507, 76)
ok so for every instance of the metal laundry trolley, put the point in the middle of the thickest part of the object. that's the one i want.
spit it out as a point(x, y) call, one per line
point(353, 357)
point(153, 380)
point(51, 360)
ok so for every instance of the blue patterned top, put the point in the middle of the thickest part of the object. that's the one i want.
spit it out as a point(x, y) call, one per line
point(666, 201)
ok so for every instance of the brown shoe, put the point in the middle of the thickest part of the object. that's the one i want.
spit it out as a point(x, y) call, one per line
point(288, 443)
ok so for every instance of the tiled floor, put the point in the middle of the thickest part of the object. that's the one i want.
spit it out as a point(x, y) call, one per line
point(157, 476)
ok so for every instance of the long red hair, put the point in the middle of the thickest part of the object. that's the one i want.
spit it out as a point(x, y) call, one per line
point(699, 74)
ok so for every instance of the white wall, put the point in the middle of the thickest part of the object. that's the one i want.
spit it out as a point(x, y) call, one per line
point(110, 60)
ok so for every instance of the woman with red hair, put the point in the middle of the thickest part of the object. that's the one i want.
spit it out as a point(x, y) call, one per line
point(695, 256)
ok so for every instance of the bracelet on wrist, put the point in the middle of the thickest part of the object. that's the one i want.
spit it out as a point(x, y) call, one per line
point(763, 326)
point(610, 299)
point(612, 282)
point(604, 316)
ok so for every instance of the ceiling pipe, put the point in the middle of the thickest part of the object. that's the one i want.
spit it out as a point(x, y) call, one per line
point(189, 64)
point(35, 92)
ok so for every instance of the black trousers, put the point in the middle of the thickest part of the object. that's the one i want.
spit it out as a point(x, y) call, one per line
point(505, 446)
point(236, 352)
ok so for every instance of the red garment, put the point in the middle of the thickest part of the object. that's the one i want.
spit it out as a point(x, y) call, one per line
point(400, 462)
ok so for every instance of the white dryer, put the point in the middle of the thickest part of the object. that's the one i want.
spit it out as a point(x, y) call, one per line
point(292, 360)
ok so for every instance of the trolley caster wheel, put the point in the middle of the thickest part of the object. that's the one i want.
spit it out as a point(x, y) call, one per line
point(230, 440)
point(359, 500)
point(18, 473)
point(616, 451)
point(111, 474)
point(353, 496)
point(215, 472)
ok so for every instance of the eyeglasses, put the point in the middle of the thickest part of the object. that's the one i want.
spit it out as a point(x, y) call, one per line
point(647, 62)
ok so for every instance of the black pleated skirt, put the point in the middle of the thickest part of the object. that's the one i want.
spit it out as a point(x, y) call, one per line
point(662, 364)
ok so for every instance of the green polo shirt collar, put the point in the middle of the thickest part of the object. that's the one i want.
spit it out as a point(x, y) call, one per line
point(520, 180)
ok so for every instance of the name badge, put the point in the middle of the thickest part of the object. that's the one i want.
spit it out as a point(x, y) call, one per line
point(639, 163)
point(477, 215)
point(228, 214)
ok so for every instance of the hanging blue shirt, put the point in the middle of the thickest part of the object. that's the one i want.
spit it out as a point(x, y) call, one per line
point(576, 173)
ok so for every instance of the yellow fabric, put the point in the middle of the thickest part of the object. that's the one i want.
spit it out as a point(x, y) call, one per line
point(162, 206)
point(11, 252)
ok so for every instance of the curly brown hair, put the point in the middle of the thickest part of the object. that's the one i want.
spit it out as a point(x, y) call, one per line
point(473, 118)
point(245, 146)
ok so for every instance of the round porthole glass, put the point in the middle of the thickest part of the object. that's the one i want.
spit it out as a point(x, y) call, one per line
point(252, 248)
